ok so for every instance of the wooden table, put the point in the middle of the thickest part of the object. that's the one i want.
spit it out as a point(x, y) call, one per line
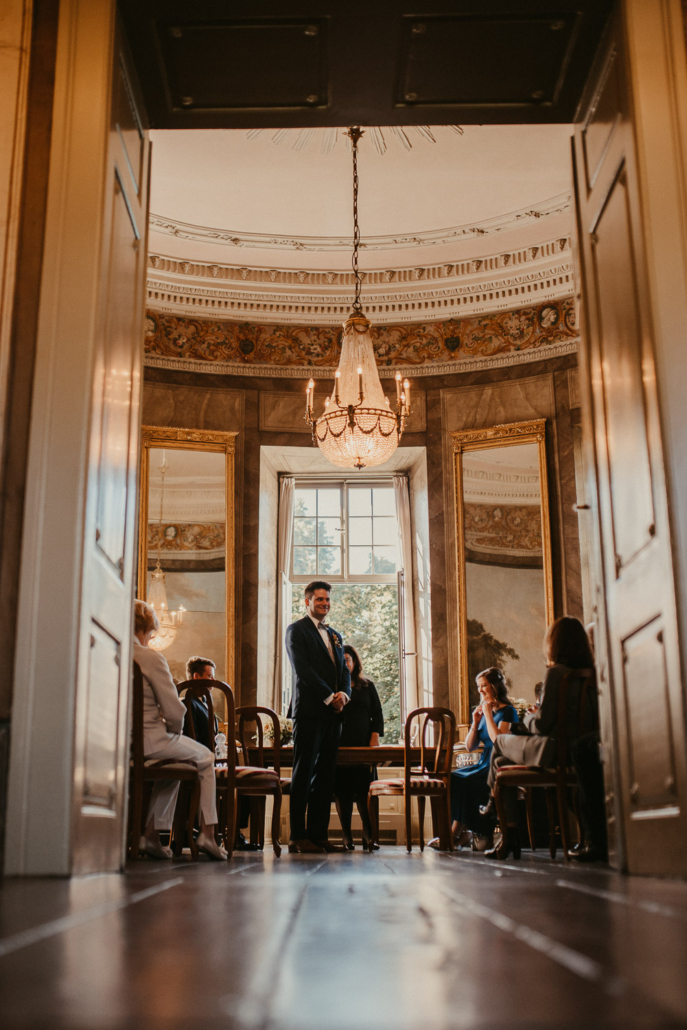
point(384, 755)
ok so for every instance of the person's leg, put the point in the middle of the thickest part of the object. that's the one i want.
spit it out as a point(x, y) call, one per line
point(324, 773)
point(304, 740)
point(345, 806)
point(590, 782)
point(160, 817)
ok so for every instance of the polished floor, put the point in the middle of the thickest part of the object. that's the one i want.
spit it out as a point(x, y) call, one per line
point(352, 942)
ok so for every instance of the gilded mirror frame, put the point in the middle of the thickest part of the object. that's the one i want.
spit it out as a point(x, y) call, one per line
point(194, 440)
point(533, 431)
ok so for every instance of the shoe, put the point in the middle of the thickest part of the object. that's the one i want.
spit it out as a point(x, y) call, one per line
point(305, 847)
point(588, 853)
point(348, 844)
point(245, 845)
point(153, 850)
point(489, 809)
point(210, 847)
point(510, 844)
point(326, 845)
point(370, 845)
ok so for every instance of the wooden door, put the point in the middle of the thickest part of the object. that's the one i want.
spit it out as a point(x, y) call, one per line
point(635, 607)
point(102, 744)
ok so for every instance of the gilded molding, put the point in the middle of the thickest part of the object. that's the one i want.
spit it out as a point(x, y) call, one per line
point(203, 436)
point(467, 438)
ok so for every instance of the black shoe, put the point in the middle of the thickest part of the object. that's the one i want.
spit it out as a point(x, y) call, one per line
point(510, 844)
point(245, 845)
point(326, 845)
point(370, 845)
point(489, 809)
point(588, 853)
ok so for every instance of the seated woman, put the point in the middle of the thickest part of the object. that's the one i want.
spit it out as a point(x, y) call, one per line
point(363, 724)
point(163, 720)
point(494, 716)
point(566, 647)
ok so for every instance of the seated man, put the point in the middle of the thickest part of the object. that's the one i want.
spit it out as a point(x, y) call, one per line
point(198, 668)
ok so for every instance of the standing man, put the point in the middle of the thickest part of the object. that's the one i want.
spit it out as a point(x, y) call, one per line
point(322, 688)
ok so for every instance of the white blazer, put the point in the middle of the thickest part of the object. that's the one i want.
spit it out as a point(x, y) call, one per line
point(163, 709)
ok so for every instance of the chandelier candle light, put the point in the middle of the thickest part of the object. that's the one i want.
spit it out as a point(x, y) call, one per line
point(157, 594)
point(358, 427)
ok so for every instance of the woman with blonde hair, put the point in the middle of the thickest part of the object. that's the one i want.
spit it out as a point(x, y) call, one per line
point(163, 721)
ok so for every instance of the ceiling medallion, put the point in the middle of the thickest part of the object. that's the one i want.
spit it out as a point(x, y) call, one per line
point(299, 139)
point(358, 427)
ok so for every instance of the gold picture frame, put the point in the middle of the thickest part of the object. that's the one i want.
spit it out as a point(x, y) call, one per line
point(533, 431)
point(194, 440)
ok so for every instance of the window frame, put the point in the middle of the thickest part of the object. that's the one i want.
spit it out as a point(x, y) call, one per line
point(318, 482)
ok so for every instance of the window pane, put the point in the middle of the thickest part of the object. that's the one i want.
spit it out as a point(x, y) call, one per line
point(304, 531)
point(385, 560)
point(360, 500)
point(359, 531)
point(304, 561)
point(385, 532)
point(329, 531)
point(360, 561)
point(329, 502)
point(304, 502)
point(384, 501)
point(329, 560)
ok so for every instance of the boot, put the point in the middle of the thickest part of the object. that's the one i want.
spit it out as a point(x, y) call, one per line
point(489, 809)
point(510, 844)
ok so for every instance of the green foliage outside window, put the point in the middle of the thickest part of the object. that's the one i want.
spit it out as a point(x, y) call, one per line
point(367, 617)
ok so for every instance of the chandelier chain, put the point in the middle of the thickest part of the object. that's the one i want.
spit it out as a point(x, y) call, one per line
point(354, 134)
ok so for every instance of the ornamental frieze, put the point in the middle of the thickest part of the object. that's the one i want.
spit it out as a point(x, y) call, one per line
point(417, 345)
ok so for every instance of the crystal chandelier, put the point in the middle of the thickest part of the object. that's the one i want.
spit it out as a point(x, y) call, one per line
point(157, 594)
point(358, 427)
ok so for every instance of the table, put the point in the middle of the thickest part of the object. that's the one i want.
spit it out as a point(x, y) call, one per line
point(385, 755)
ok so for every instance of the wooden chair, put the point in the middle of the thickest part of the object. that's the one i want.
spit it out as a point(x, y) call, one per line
point(559, 779)
point(148, 771)
point(254, 786)
point(431, 779)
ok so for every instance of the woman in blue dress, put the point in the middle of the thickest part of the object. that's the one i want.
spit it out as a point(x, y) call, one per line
point(469, 788)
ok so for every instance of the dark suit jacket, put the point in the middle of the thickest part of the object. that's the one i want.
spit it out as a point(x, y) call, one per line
point(317, 676)
point(201, 722)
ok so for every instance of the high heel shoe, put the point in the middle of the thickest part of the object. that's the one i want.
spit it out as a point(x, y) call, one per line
point(489, 809)
point(510, 844)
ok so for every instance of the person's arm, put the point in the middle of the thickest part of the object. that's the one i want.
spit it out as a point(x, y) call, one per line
point(472, 740)
point(301, 662)
point(160, 678)
point(494, 729)
point(543, 721)
point(376, 714)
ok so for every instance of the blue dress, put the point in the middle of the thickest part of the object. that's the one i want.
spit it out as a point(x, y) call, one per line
point(469, 787)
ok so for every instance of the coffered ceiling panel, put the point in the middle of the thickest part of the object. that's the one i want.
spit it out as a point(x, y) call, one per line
point(272, 63)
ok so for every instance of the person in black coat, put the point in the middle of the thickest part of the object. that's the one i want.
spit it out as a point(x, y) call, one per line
point(322, 688)
point(363, 725)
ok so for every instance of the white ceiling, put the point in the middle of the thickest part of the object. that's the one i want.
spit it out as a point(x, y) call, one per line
point(502, 475)
point(223, 179)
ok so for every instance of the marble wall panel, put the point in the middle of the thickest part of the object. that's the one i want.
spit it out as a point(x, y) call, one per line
point(283, 412)
point(168, 404)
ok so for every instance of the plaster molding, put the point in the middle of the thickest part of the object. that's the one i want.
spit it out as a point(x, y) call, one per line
point(553, 350)
point(426, 238)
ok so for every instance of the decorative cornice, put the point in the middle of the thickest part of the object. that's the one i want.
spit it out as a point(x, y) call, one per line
point(171, 433)
point(429, 348)
point(402, 241)
point(491, 283)
point(508, 431)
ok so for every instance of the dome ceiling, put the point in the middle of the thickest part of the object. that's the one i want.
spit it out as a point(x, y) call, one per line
point(258, 224)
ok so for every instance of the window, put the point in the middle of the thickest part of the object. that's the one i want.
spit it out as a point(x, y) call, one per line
point(346, 532)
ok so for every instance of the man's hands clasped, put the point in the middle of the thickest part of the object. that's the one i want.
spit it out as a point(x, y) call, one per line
point(339, 700)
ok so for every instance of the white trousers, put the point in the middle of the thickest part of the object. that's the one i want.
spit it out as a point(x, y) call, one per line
point(164, 797)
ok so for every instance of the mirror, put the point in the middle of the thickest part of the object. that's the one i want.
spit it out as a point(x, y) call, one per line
point(186, 545)
point(504, 555)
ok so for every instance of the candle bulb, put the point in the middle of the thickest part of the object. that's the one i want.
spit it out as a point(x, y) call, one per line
point(406, 388)
point(398, 387)
point(360, 385)
point(336, 387)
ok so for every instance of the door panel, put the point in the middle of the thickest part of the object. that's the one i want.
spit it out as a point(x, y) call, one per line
point(635, 610)
point(102, 734)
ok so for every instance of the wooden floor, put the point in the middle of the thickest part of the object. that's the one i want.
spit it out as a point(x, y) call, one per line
point(357, 942)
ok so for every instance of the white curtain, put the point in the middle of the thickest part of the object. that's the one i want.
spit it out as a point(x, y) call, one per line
point(409, 665)
point(284, 540)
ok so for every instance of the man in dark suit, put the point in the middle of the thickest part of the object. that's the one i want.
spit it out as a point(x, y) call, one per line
point(322, 687)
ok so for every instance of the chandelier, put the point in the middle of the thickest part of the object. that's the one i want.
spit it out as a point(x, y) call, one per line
point(157, 594)
point(358, 427)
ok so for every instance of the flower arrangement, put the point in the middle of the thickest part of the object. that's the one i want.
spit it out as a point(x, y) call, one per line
point(520, 705)
point(285, 730)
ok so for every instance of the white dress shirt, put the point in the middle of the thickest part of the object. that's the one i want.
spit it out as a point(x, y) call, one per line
point(327, 640)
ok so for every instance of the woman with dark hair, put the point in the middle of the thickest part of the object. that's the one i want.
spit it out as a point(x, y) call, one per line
point(363, 725)
point(493, 717)
point(566, 647)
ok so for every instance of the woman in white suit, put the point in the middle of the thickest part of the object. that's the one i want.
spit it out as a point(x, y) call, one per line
point(163, 720)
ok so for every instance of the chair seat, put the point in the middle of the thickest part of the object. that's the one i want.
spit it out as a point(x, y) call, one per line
point(418, 785)
point(285, 786)
point(160, 768)
point(531, 775)
point(251, 777)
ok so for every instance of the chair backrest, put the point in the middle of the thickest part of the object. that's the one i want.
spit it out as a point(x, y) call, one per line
point(249, 715)
point(586, 706)
point(137, 756)
point(436, 756)
point(204, 688)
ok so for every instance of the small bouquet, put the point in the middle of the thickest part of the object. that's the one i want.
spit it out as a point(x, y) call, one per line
point(520, 705)
point(285, 730)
